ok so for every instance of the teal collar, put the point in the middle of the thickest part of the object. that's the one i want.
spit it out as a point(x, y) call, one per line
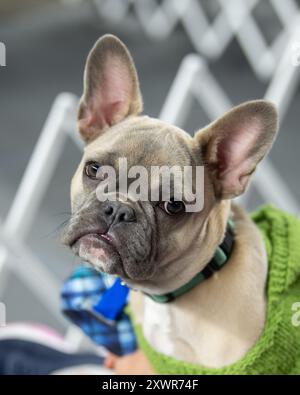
point(220, 258)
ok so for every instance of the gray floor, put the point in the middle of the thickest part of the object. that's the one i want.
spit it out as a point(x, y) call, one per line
point(46, 51)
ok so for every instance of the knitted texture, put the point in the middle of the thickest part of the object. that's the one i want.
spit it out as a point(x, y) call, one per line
point(277, 351)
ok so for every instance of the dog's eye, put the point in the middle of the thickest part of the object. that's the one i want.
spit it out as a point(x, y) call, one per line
point(174, 207)
point(91, 170)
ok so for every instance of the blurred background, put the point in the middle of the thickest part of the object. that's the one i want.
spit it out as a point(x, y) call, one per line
point(46, 47)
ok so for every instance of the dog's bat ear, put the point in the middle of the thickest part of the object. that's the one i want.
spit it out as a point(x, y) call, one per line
point(234, 144)
point(111, 88)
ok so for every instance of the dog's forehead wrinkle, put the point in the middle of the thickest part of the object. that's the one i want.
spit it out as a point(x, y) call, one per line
point(149, 142)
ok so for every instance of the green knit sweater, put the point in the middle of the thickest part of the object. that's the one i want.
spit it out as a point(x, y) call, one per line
point(277, 351)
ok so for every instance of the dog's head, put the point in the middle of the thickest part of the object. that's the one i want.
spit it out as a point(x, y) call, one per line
point(153, 242)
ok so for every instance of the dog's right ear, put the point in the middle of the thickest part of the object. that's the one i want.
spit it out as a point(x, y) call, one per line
point(111, 88)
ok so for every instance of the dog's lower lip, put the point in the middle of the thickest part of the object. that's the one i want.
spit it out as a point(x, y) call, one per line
point(107, 239)
point(103, 236)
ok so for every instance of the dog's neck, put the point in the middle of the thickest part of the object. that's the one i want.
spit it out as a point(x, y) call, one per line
point(220, 258)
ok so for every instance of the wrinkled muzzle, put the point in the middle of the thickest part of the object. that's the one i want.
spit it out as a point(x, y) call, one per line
point(116, 237)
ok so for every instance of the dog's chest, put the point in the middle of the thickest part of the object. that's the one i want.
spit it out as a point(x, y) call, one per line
point(158, 326)
point(166, 332)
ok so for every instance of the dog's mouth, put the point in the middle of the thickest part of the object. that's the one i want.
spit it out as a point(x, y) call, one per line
point(92, 233)
point(99, 249)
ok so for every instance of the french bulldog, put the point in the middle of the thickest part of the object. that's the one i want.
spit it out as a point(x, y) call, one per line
point(157, 247)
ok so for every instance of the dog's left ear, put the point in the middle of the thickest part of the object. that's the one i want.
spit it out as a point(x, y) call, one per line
point(233, 145)
point(111, 88)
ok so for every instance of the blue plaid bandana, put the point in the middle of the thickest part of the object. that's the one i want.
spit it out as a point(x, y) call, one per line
point(95, 302)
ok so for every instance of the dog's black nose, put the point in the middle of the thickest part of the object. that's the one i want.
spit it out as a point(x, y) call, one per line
point(116, 212)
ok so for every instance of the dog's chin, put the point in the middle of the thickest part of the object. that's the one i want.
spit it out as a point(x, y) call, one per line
point(100, 253)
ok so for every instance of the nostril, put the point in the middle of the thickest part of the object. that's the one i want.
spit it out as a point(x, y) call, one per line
point(126, 215)
point(109, 210)
point(122, 217)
